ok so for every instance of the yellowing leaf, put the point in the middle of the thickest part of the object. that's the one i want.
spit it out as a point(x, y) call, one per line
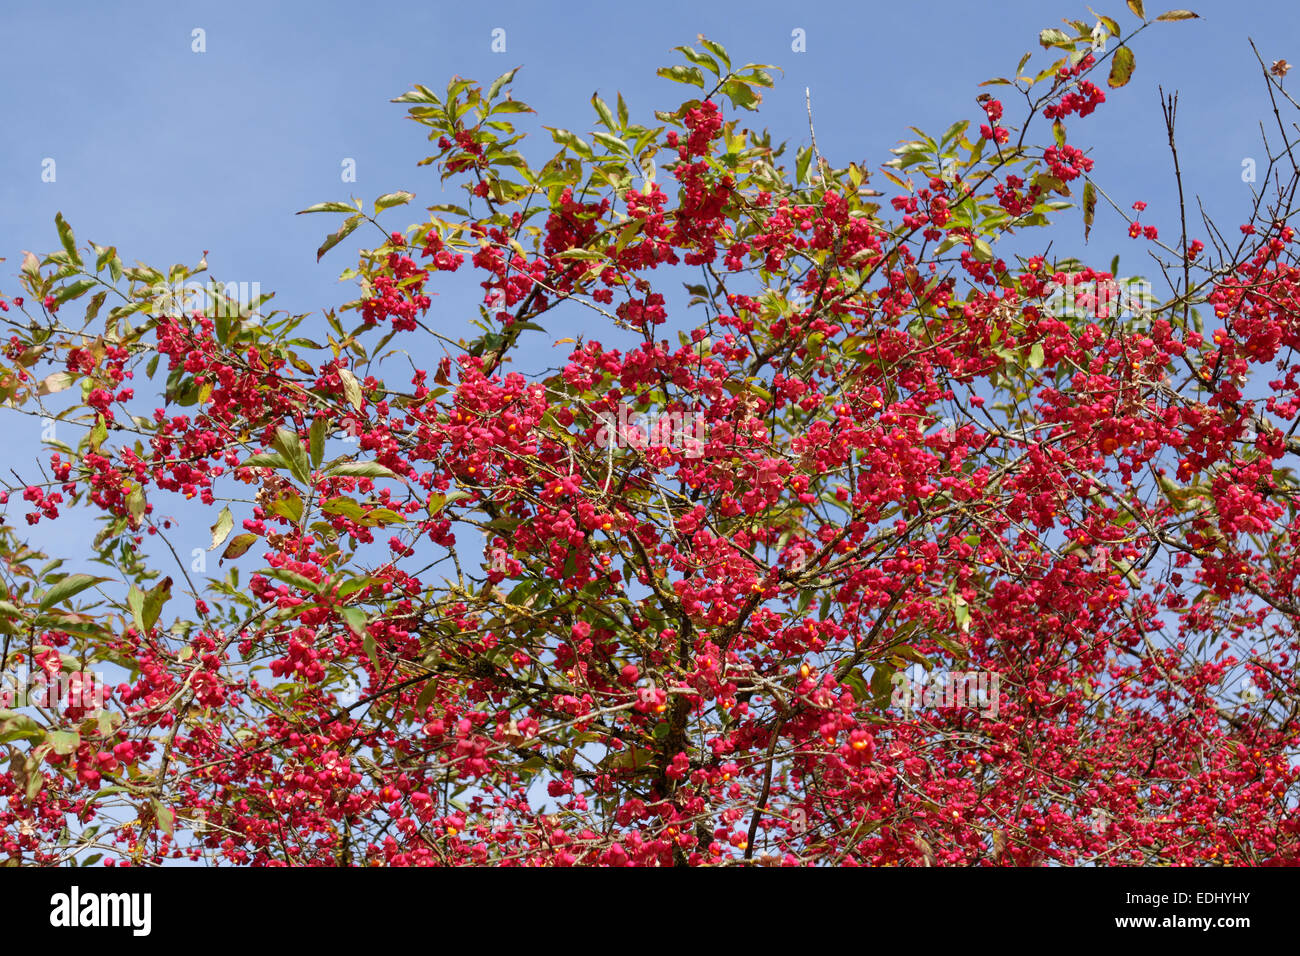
point(63, 742)
point(1089, 208)
point(388, 200)
point(166, 819)
point(1121, 67)
point(221, 530)
point(351, 388)
point(238, 546)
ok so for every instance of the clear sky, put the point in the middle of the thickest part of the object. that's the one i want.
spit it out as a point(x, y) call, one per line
point(166, 152)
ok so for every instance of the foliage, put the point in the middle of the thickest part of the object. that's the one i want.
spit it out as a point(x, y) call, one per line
point(579, 642)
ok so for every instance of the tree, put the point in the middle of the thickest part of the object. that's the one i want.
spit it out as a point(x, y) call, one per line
point(891, 540)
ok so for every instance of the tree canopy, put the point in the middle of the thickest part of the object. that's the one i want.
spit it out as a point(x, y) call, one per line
point(855, 528)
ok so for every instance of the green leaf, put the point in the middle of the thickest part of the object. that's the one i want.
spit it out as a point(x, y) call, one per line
point(1089, 208)
point(437, 501)
point(55, 383)
point(982, 251)
point(1178, 496)
point(320, 427)
point(1111, 25)
point(14, 726)
point(327, 207)
point(683, 74)
point(66, 237)
point(288, 506)
point(333, 239)
point(627, 233)
point(718, 51)
point(154, 599)
point(166, 819)
point(221, 530)
point(361, 469)
point(389, 200)
point(612, 143)
point(499, 83)
point(949, 645)
point(426, 696)
point(909, 653)
point(421, 94)
point(368, 645)
point(1052, 37)
point(603, 111)
point(67, 587)
point(74, 289)
point(238, 546)
point(352, 586)
point(1179, 15)
point(351, 388)
point(96, 303)
point(574, 142)
point(858, 686)
point(355, 619)
point(882, 684)
point(955, 130)
point(584, 254)
point(700, 59)
point(741, 95)
point(345, 507)
point(264, 460)
point(1121, 67)
point(1036, 356)
point(961, 613)
point(135, 603)
point(63, 742)
point(1137, 8)
point(289, 444)
point(802, 160)
point(511, 106)
point(293, 579)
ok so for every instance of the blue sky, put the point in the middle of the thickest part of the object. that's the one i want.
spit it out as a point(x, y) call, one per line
point(166, 152)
